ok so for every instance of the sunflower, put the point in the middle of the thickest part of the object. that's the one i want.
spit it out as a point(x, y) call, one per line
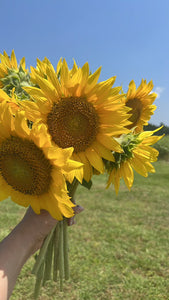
point(79, 112)
point(13, 75)
point(138, 155)
point(140, 102)
point(33, 172)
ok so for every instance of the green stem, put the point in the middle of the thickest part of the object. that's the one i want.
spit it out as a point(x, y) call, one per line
point(72, 187)
point(39, 278)
point(65, 249)
point(56, 242)
point(56, 251)
point(42, 252)
point(48, 261)
point(61, 256)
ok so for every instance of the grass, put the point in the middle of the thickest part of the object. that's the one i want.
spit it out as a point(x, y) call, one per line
point(118, 248)
point(163, 147)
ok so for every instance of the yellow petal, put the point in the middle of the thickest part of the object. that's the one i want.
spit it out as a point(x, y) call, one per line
point(86, 166)
point(67, 211)
point(109, 142)
point(64, 74)
point(47, 88)
point(21, 126)
point(139, 166)
point(72, 165)
point(103, 151)
point(146, 134)
point(92, 81)
point(54, 80)
point(95, 159)
point(127, 173)
point(132, 90)
point(40, 136)
point(13, 60)
point(117, 177)
point(22, 63)
point(59, 156)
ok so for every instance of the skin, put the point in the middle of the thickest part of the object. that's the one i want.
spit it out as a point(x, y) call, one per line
point(23, 241)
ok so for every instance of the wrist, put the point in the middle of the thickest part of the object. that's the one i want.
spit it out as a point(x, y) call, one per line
point(34, 228)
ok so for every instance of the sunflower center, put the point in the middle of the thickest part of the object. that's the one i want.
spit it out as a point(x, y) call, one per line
point(73, 122)
point(136, 110)
point(24, 166)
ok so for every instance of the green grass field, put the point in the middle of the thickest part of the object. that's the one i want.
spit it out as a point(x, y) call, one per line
point(165, 141)
point(119, 248)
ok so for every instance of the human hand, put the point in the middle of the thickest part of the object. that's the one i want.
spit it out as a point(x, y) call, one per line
point(39, 226)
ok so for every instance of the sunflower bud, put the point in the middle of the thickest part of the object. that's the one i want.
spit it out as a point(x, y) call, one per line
point(128, 142)
point(16, 79)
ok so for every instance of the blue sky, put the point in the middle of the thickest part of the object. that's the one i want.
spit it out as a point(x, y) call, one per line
point(128, 38)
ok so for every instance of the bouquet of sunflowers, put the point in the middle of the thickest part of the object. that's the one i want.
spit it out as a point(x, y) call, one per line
point(59, 127)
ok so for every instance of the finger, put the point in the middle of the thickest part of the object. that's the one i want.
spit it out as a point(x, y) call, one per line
point(71, 221)
point(78, 209)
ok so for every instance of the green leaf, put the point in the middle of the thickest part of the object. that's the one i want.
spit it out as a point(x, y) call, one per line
point(86, 184)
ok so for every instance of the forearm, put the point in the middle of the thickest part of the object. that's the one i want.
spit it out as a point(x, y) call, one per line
point(24, 240)
point(19, 245)
point(13, 255)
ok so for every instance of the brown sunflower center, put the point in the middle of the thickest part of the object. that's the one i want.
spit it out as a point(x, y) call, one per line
point(24, 166)
point(73, 122)
point(136, 110)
